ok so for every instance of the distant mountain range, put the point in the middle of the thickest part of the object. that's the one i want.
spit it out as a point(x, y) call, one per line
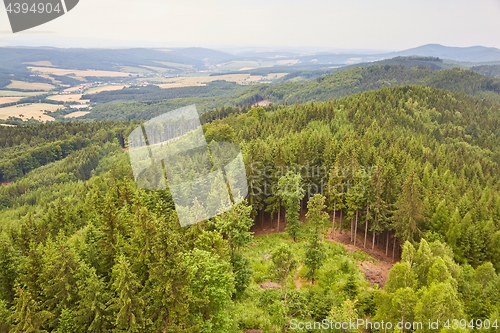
point(202, 58)
point(462, 54)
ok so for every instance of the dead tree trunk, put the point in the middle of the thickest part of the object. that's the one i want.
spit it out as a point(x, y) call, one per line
point(333, 219)
point(279, 213)
point(366, 227)
point(356, 227)
point(340, 222)
point(394, 249)
point(387, 244)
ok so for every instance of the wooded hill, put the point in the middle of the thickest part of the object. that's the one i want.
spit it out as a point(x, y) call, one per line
point(89, 251)
point(326, 87)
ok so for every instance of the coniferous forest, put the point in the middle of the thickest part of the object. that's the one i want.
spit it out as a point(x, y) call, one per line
point(411, 171)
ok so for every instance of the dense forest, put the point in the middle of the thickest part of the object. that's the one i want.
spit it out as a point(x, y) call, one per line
point(412, 170)
point(146, 103)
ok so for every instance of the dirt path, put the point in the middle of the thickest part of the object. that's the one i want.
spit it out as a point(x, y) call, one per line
point(298, 282)
point(375, 270)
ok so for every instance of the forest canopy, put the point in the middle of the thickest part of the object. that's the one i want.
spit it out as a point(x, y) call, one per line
point(411, 170)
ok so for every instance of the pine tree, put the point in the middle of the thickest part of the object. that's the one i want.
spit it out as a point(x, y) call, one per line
point(92, 311)
point(314, 255)
point(290, 189)
point(5, 317)
point(409, 216)
point(28, 315)
point(234, 225)
point(128, 303)
point(284, 264)
point(57, 278)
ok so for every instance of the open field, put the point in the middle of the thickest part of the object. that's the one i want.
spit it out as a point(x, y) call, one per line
point(10, 93)
point(30, 86)
point(48, 77)
point(242, 79)
point(135, 70)
point(175, 64)
point(288, 62)
point(82, 73)
point(5, 100)
point(44, 63)
point(104, 88)
point(72, 89)
point(67, 98)
point(239, 65)
point(77, 114)
point(158, 69)
point(29, 111)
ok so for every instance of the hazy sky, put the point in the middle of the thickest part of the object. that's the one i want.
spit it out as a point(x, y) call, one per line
point(343, 24)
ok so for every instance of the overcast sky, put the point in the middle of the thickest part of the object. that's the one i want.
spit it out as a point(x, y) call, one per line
point(342, 24)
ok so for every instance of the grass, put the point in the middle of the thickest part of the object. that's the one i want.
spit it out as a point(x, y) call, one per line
point(66, 98)
point(135, 70)
point(241, 65)
point(29, 111)
point(77, 114)
point(158, 69)
point(338, 273)
point(10, 93)
point(30, 86)
point(266, 244)
point(43, 63)
point(5, 100)
point(243, 79)
point(175, 65)
point(82, 73)
point(96, 90)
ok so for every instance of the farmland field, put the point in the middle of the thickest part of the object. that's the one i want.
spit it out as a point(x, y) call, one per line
point(77, 114)
point(66, 98)
point(104, 88)
point(10, 93)
point(135, 70)
point(82, 73)
point(45, 63)
point(5, 100)
point(29, 111)
point(175, 64)
point(158, 69)
point(30, 86)
point(243, 65)
point(242, 79)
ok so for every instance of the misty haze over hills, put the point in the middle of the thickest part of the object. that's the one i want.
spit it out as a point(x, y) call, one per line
point(205, 59)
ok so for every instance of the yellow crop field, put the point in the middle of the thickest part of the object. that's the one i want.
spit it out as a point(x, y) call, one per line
point(82, 73)
point(243, 79)
point(104, 88)
point(5, 100)
point(30, 86)
point(10, 93)
point(238, 65)
point(29, 111)
point(66, 98)
point(76, 114)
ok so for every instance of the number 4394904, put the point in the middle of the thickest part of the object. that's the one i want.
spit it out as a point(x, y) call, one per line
point(36, 8)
